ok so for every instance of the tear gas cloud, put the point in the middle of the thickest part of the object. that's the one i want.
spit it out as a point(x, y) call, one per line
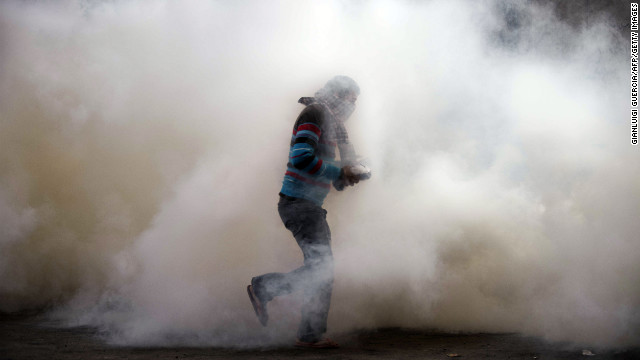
point(142, 147)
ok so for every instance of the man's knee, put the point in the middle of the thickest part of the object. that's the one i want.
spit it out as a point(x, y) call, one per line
point(314, 249)
point(321, 267)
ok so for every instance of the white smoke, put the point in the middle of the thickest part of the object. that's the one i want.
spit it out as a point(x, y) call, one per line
point(143, 145)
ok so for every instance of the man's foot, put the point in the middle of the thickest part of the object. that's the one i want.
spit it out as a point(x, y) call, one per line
point(325, 343)
point(258, 306)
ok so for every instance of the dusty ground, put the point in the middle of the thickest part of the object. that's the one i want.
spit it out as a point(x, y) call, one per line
point(25, 337)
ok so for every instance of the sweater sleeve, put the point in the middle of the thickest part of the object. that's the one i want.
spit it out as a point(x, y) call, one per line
point(303, 154)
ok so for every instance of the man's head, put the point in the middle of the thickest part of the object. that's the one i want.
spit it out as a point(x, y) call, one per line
point(340, 93)
point(342, 86)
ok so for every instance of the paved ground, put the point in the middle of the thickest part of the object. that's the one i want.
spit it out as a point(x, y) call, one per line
point(23, 337)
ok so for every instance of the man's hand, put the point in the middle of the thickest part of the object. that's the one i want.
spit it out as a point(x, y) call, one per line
point(350, 178)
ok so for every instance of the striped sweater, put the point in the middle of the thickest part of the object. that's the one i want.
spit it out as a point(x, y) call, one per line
point(312, 167)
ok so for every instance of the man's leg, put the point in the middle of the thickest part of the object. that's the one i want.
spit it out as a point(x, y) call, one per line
point(310, 229)
point(317, 299)
point(308, 224)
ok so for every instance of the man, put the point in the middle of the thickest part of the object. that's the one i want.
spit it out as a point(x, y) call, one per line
point(310, 172)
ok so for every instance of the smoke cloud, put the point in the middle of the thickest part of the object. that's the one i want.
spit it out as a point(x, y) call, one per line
point(143, 144)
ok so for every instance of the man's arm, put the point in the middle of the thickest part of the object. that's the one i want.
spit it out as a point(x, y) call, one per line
point(303, 155)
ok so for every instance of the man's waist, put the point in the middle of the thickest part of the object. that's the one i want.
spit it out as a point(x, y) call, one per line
point(287, 197)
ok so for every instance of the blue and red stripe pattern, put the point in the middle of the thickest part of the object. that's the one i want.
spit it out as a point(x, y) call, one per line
point(311, 168)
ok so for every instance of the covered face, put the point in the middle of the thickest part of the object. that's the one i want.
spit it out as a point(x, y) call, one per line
point(345, 106)
point(340, 93)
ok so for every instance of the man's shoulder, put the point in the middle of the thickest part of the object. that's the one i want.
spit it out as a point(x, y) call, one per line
point(315, 113)
point(314, 109)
